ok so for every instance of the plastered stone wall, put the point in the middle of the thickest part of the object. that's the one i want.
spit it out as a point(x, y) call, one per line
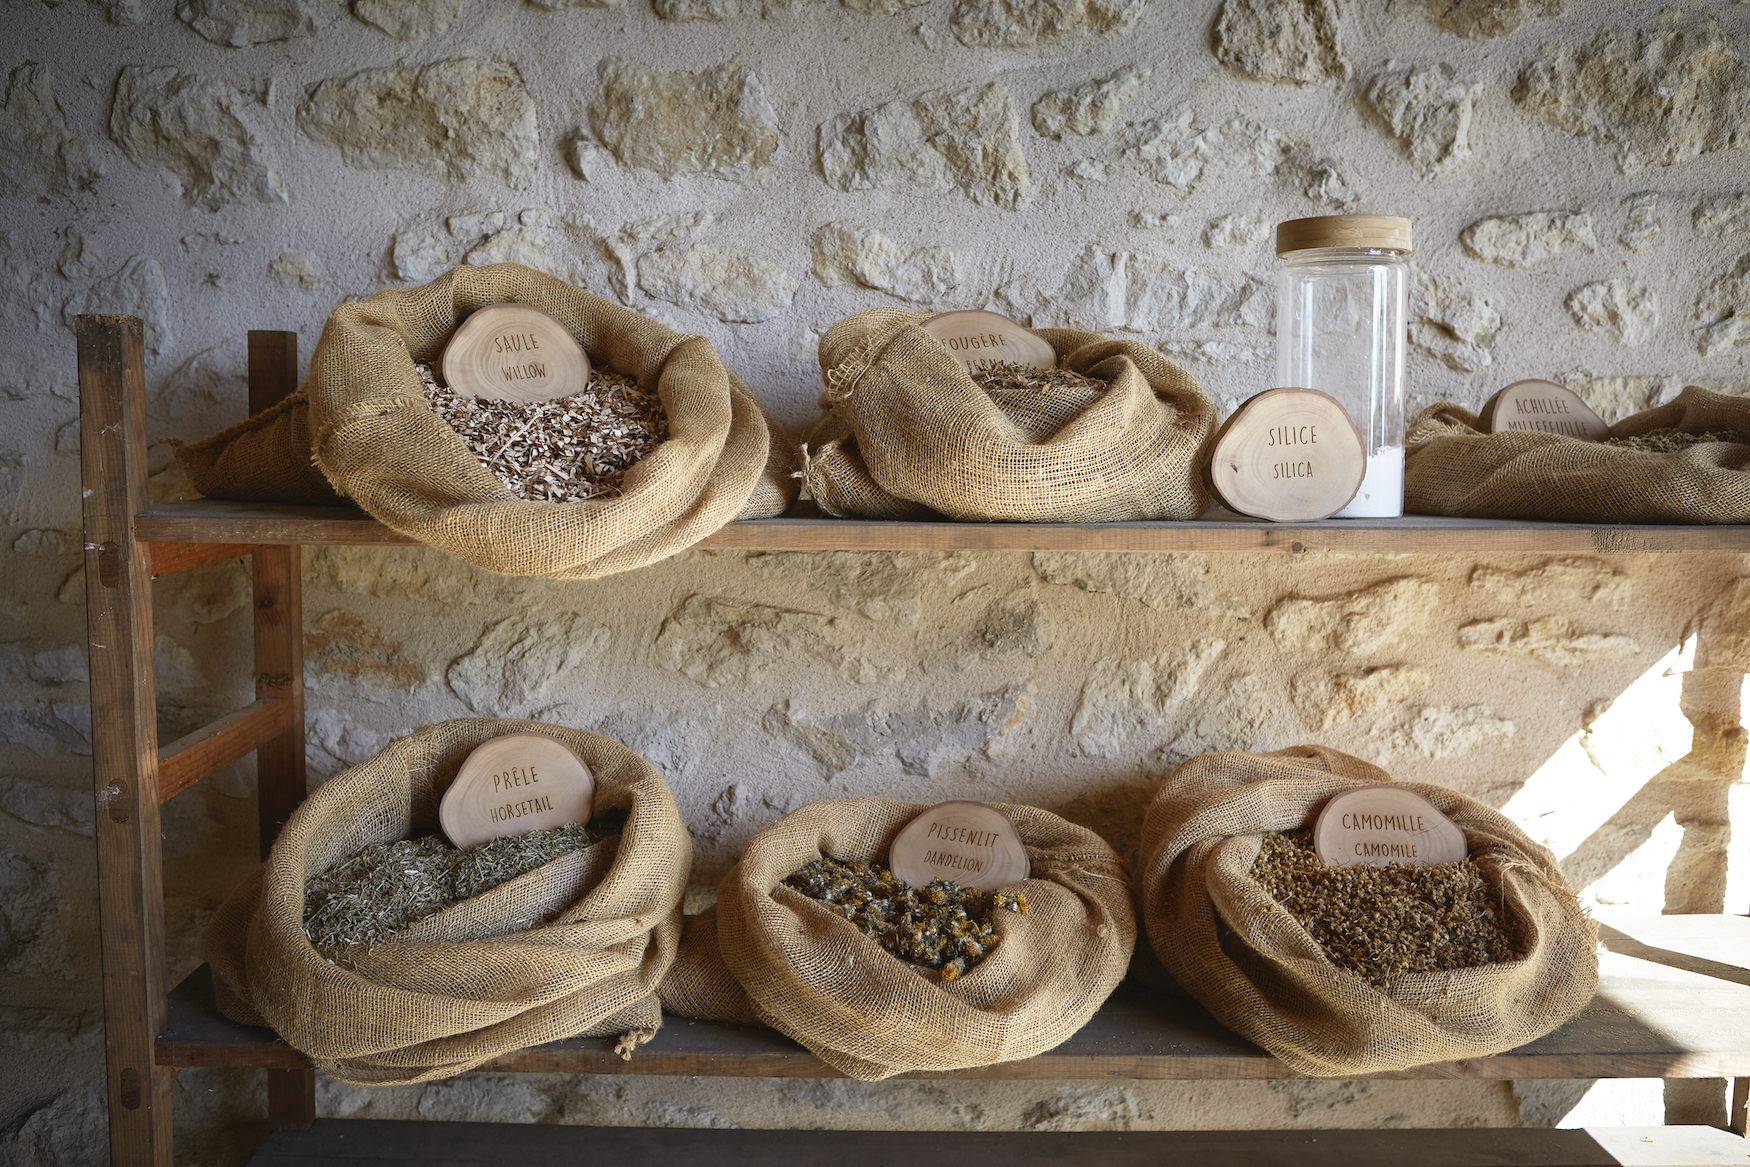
point(754, 171)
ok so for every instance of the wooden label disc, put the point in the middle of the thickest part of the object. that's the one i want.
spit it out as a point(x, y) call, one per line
point(1288, 455)
point(511, 352)
point(514, 784)
point(1544, 407)
point(972, 843)
point(1377, 825)
point(979, 339)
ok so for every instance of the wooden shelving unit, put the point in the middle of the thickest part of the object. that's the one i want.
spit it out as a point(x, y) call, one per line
point(1676, 995)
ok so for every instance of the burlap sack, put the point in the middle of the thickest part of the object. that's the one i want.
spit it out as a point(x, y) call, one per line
point(575, 947)
point(814, 976)
point(263, 459)
point(1258, 971)
point(1453, 468)
point(698, 983)
point(907, 432)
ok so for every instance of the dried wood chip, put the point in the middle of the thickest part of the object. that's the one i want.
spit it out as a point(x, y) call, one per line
point(569, 450)
point(1383, 922)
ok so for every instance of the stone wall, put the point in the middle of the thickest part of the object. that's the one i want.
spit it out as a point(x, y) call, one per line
point(753, 172)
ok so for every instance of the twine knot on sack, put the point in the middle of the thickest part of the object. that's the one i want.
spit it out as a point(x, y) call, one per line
point(842, 378)
point(631, 1040)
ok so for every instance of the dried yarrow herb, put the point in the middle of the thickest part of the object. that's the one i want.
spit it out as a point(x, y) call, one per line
point(387, 886)
point(1670, 441)
point(943, 927)
point(569, 450)
point(1383, 922)
point(1004, 377)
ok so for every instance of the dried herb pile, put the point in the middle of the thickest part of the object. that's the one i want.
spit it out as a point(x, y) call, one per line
point(575, 448)
point(944, 927)
point(1669, 441)
point(1383, 922)
point(1005, 377)
point(388, 886)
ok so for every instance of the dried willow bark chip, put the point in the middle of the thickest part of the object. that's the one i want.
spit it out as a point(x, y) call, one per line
point(569, 450)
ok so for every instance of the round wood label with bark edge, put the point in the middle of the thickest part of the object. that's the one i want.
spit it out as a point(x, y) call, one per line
point(979, 339)
point(1288, 455)
point(512, 352)
point(1377, 825)
point(514, 784)
point(972, 843)
point(1542, 407)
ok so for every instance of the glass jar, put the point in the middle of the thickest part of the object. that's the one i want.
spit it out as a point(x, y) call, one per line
point(1342, 297)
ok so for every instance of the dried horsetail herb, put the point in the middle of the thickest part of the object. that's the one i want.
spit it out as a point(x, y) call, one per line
point(387, 886)
point(1383, 922)
point(1669, 441)
point(575, 448)
point(1004, 377)
point(943, 927)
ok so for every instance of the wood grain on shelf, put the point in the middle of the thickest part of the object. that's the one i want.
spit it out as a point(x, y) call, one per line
point(170, 558)
point(193, 756)
point(118, 607)
point(1674, 1003)
point(208, 520)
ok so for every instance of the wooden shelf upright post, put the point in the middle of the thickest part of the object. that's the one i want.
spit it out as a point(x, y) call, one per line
point(124, 735)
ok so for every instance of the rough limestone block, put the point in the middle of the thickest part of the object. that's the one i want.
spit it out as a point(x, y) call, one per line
point(346, 646)
point(1173, 151)
point(1644, 223)
point(564, 5)
point(1090, 108)
point(138, 289)
point(716, 121)
point(1427, 109)
point(940, 140)
point(1662, 92)
point(38, 155)
point(1722, 311)
point(408, 20)
point(1117, 289)
point(295, 269)
point(1723, 218)
point(1375, 619)
point(1551, 640)
point(1559, 581)
point(925, 738)
point(1482, 19)
point(1453, 322)
point(1528, 240)
point(887, 586)
point(1625, 309)
point(511, 670)
point(718, 641)
point(1015, 24)
point(863, 257)
point(1326, 183)
point(32, 938)
point(983, 625)
point(1327, 699)
point(882, 7)
point(1236, 230)
point(1281, 40)
point(201, 129)
point(1169, 582)
point(1123, 698)
point(240, 23)
point(1440, 732)
point(1614, 398)
point(464, 115)
point(418, 257)
point(1235, 720)
point(733, 286)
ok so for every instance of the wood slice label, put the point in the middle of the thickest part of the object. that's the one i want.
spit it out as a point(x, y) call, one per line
point(1288, 455)
point(979, 339)
point(972, 843)
point(511, 352)
point(1542, 407)
point(1377, 825)
point(514, 784)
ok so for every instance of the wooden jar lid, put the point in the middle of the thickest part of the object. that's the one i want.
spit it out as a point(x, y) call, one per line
point(1288, 455)
point(972, 843)
point(512, 352)
point(1377, 825)
point(1378, 232)
point(979, 339)
point(514, 784)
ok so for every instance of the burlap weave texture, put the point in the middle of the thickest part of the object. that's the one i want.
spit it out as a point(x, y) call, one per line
point(815, 977)
point(265, 458)
point(575, 947)
point(1453, 468)
point(1253, 966)
point(908, 432)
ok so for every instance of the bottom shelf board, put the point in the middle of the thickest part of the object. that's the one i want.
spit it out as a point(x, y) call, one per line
point(381, 1143)
point(1673, 1002)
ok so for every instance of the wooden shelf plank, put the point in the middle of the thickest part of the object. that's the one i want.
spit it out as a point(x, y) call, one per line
point(387, 1143)
point(210, 521)
point(1674, 1003)
point(193, 756)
